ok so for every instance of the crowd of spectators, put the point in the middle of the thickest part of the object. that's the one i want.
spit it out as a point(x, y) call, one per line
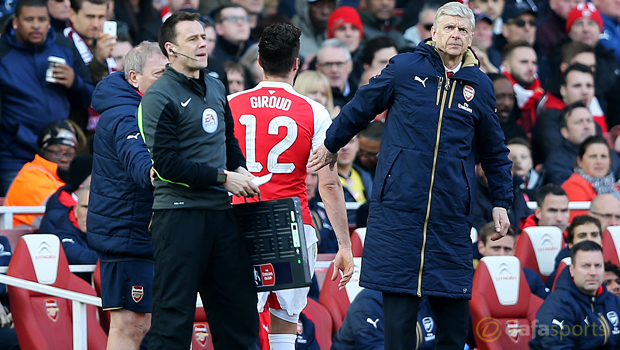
point(555, 67)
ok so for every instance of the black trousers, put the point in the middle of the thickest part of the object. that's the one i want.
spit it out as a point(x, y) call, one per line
point(400, 312)
point(201, 251)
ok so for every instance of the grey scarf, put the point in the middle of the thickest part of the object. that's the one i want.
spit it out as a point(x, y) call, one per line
point(601, 184)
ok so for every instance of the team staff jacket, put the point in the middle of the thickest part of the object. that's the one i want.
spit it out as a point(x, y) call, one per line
point(422, 197)
point(189, 131)
point(121, 194)
point(570, 319)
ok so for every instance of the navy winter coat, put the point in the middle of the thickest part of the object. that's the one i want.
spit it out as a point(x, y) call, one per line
point(54, 209)
point(27, 101)
point(74, 241)
point(418, 239)
point(567, 308)
point(121, 195)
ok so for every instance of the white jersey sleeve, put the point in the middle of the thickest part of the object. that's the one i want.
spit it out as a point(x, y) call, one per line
point(322, 122)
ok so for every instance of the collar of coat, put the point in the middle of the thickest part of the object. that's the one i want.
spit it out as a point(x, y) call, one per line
point(469, 70)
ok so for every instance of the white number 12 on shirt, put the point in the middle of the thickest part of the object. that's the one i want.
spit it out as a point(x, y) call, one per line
point(249, 121)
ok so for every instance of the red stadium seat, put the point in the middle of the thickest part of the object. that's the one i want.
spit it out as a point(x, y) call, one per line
point(537, 248)
point(337, 301)
point(611, 244)
point(201, 334)
point(503, 309)
point(14, 234)
point(322, 323)
point(43, 321)
point(357, 246)
point(564, 263)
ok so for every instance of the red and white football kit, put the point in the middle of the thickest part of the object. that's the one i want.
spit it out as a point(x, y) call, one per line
point(277, 129)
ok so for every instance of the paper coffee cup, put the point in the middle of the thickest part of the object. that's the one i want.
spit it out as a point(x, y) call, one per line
point(52, 61)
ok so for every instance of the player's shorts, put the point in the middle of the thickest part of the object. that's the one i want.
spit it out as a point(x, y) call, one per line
point(293, 301)
point(127, 285)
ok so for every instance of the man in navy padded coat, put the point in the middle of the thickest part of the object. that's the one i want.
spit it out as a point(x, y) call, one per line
point(418, 242)
point(581, 313)
point(29, 101)
point(122, 197)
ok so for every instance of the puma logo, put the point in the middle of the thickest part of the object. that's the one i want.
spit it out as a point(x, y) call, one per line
point(423, 82)
point(374, 323)
point(129, 137)
point(561, 324)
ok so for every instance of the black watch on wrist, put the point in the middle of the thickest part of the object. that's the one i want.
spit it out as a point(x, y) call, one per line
point(221, 176)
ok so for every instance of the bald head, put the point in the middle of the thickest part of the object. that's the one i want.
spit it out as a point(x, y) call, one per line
point(606, 208)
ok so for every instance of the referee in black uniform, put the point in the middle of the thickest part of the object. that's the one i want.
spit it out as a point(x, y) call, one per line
point(186, 123)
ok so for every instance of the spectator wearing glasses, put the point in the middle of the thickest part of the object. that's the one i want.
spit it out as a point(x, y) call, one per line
point(334, 60)
point(40, 178)
point(606, 208)
point(232, 24)
point(422, 30)
point(519, 23)
point(345, 25)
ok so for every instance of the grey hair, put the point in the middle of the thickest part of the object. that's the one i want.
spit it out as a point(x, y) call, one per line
point(335, 43)
point(137, 57)
point(455, 9)
point(82, 190)
point(426, 7)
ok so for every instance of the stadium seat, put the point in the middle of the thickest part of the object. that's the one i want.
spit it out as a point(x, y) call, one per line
point(41, 321)
point(14, 234)
point(356, 244)
point(474, 235)
point(564, 263)
point(611, 244)
point(104, 316)
point(537, 247)
point(322, 323)
point(201, 334)
point(337, 301)
point(503, 309)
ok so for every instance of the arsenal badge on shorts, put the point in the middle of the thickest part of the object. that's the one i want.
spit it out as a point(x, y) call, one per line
point(137, 292)
point(468, 93)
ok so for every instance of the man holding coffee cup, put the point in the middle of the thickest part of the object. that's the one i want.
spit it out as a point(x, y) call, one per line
point(29, 100)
